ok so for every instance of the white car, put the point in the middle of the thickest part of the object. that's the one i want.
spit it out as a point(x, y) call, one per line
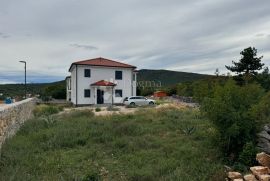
point(138, 100)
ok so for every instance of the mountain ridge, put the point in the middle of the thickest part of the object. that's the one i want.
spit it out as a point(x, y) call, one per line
point(165, 77)
point(168, 77)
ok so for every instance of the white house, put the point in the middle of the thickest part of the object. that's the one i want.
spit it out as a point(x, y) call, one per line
point(100, 81)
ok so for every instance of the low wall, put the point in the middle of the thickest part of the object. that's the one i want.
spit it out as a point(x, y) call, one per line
point(12, 116)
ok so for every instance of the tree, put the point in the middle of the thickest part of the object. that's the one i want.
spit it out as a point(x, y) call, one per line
point(249, 64)
point(217, 72)
point(229, 111)
point(57, 91)
point(264, 79)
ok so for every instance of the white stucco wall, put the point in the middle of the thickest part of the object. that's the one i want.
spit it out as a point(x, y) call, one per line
point(73, 85)
point(127, 84)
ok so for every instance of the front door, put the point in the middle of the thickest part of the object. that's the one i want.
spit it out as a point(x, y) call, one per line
point(100, 94)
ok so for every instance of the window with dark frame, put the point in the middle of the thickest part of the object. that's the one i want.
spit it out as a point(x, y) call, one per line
point(87, 93)
point(118, 75)
point(118, 93)
point(87, 73)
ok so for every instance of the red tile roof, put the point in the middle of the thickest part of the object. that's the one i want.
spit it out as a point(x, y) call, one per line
point(103, 83)
point(102, 62)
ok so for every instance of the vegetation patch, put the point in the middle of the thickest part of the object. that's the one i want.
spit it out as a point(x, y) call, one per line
point(98, 109)
point(148, 145)
point(112, 108)
point(46, 110)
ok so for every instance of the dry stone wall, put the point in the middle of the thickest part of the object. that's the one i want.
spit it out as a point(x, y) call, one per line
point(13, 116)
point(257, 173)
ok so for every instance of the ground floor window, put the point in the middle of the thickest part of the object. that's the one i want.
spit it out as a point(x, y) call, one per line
point(87, 93)
point(118, 93)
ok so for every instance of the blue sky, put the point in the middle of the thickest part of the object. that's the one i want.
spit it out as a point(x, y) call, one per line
point(192, 36)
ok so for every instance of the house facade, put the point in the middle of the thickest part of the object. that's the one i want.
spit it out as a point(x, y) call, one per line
point(100, 81)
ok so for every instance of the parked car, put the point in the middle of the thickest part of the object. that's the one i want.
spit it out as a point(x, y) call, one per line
point(138, 100)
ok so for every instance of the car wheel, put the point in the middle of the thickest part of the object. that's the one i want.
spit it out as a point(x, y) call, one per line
point(132, 104)
point(151, 103)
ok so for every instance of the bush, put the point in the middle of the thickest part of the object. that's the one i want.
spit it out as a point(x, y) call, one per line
point(46, 110)
point(261, 111)
point(200, 89)
point(184, 89)
point(248, 155)
point(98, 109)
point(57, 91)
point(92, 177)
point(229, 110)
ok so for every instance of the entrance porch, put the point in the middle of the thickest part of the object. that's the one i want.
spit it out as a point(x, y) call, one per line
point(103, 92)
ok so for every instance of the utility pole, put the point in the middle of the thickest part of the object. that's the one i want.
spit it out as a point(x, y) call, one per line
point(24, 78)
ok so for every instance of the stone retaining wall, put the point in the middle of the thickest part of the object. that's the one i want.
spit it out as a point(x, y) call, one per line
point(13, 116)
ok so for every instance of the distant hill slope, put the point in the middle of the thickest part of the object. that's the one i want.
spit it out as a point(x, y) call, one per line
point(18, 89)
point(168, 77)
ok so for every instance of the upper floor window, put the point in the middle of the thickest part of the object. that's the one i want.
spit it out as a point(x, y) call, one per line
point(87, 73)
point(118, 75)
point(118, 93)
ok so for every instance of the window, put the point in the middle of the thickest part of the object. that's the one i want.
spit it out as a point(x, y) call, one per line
point(87, 73)
point(118, 93)
point(118, 75)
point(87, 93)
point(134, 77)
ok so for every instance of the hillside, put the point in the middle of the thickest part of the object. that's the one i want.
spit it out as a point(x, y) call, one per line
point(168, 77)
point(18, 89)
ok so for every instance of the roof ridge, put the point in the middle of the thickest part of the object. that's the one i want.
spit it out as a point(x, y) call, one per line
point(100, 58)
point(114, 61)
point(101, 61)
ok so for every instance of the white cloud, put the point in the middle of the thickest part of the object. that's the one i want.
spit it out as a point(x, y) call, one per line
point(196, 36)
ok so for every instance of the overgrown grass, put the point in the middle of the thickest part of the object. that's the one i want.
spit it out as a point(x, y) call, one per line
point(47, 110)
point(149, 145)
point(112, 108)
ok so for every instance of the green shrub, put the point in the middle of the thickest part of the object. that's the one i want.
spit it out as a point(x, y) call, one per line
point(261, 111)
point(248, 155)
point(240, 167)
point(57, 91)
point(184, 89)
point(229, 110)
point(188, 130)
point(98, 109)
point(45, 110)
point(92, 177)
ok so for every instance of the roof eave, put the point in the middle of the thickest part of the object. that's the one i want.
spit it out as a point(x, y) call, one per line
point(132, 67)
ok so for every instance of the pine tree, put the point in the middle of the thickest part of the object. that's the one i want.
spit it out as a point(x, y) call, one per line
point(249, 64)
